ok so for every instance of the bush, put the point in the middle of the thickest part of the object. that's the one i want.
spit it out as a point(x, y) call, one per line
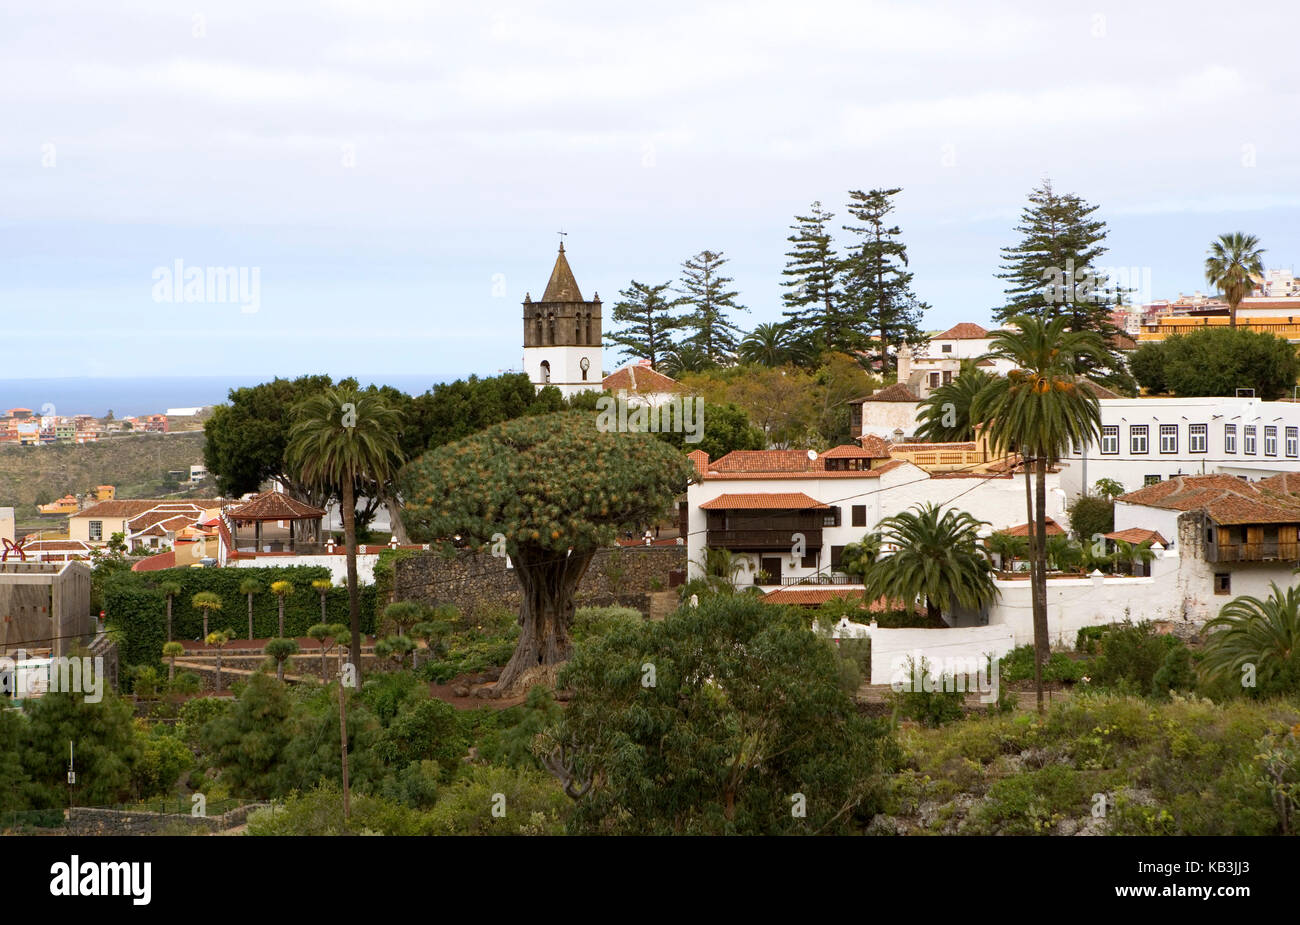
point(500, 801)
point(597, 621)
point(1089, 516)
point(319, 811)
point(1218, 361)
point(1132, 654)
point(1018, 665)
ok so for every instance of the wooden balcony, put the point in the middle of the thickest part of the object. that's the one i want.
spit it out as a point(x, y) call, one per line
point(762, 540)
point(1179, 325)
point(1253, 552)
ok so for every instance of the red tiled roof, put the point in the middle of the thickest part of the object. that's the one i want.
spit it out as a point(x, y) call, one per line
point(966, 330)
point(770, 501)
point(638, 378)
point(154, 563)
point(119, 509)
point(1098, 390)
point(1053, 529)
point(855, 452)
point(1137, 535)
point(739, 474)
point(899, 391)
point(274, 505)
point(1224, 498)
point(700, 460)
point(876, 447)
point(765, 461)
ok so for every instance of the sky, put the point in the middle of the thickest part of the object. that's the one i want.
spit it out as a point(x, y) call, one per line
point(391, 176)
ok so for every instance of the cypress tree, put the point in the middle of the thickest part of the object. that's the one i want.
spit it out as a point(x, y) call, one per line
point(815, 300)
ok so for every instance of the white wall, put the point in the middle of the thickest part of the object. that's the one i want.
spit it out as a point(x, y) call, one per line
point(882, 418)
point(337, 564)
point(890, 648)
point(1000, 501)
point(566, 369)
point(1130, 469)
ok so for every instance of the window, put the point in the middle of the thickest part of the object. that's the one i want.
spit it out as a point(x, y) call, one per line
point(1270, 441)
point(934, 380)
point(1223, 583)
point(1198, 437)
point(1137, 438)
point(810, 560)
point(945, 348)
point(837, 555)
point(1229, 438)
point(947, 376)
point(1168, 438)
point(1110, 440)
point(831, 518)
point(859, 515)
point(1149, 480)
point(1251, 448)
point(1293, 441)
point(96, 531)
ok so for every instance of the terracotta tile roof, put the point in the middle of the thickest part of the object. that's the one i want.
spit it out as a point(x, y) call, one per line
point(1099, 390)
point(1136, 535)
point(1053, 529)
point(164, 513)
point(57, 546)
point(844, 451)
point(154, 563)
point(812, 596)
point(700, 460)
point(274, 505)
point(766, 461)
point(966, 330)
point(899, 391)
point(764, 501)
point(877, 447)
point(909, 447)
point(118, 509)
point(1224, 498)
point(640, 379)
point(760, 473)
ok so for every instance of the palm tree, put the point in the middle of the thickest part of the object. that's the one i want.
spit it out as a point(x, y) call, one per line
point(938, 558)
point(250, 587)
point(322, 586)
point(1231, 263)
point(281, 589)
point(328, 635)
point(280, 650)
point(1133, 553)
point(1265, 634)
point(685, 358)
point(1036, 410)
point(206, 601)
point(1063, 553)
point(771, 344)
point(170, 651)
point(945, 416)
point(721, 568)
point(170, 590)
point(338, 438)
point(219, 640)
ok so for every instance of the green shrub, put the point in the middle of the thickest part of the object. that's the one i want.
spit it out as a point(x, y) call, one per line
point(491, 800)
point(319, 811)
point(597, 621)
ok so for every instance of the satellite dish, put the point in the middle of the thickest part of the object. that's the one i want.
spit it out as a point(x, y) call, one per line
point(812, 455)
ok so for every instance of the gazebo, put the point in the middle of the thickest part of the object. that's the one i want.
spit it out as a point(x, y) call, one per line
point(272, 515)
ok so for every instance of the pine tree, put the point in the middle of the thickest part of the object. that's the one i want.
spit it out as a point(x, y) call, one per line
point(705, 289)
point(647, 314)
point(877, 284)
point(815, 300)
point(1052, 272)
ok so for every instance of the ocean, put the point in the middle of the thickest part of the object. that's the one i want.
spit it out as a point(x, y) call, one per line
point(130, 397)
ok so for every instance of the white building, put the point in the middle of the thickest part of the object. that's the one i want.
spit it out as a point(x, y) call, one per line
point(758, 503)
point(640, 383)
point(939, 362)
point(562, 337)
point(1144, 440)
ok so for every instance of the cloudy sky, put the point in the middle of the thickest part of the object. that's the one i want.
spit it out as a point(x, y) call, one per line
point(396, 172)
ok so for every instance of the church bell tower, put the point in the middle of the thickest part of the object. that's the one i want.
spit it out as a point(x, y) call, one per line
point(562, 335)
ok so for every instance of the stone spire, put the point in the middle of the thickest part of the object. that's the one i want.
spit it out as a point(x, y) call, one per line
point(562, 287)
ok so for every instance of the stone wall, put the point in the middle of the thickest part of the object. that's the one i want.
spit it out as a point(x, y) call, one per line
point(86, 820)
point(478, 582)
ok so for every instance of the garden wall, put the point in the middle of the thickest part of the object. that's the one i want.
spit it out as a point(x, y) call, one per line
point(478, 582)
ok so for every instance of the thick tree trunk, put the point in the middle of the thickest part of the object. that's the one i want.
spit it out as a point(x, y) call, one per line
point(548, 581)
point(1032, 538)
point(281, 616)
point(354, 593)
point(1042, 647)
point(395, 523)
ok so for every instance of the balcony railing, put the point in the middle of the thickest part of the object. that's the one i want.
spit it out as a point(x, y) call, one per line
point(1254, 552)
point(762, 539)
point(823, 579)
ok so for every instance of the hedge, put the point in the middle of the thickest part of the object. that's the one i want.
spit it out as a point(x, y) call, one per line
point(133, 604)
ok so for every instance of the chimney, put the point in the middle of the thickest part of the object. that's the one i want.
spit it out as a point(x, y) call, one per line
point(904, 362)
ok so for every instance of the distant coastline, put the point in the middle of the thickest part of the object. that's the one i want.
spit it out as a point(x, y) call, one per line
point(133, 396)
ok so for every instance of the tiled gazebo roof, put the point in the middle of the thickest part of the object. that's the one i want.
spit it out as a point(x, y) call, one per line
point(274, 505)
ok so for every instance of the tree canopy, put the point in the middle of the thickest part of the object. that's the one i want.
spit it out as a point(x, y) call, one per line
point(1218, 361)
